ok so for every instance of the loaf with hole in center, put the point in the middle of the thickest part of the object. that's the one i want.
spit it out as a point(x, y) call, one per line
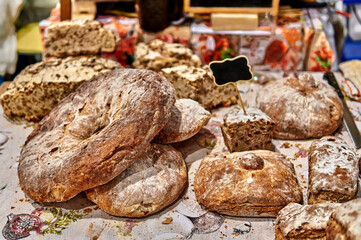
point(94, 134)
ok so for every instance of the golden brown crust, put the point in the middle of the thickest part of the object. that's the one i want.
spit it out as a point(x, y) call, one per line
point(250, 183)
point(319, 109)
point(335, 231)
point(95, 133)
point(333, 171)
point(152, 182)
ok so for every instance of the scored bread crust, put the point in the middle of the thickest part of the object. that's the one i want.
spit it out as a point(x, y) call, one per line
point(152, 182)
point(187, 118)
point(250, 183)
point(301, 108)
point(94, 134)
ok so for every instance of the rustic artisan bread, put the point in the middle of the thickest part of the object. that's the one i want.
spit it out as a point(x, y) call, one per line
point(301, 107)
point(250, 183)
point(158, 54)
point(247, 132)
point(198, 84)
point(333, 171)
point(304, 222)
point(39, 87)
point(152, 182)
point(345, 222)
point(71, 38)
point(94, 134)
point(187, 118)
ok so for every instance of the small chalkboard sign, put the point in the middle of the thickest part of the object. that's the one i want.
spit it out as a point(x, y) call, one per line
point(231, 6)
point(230, 71)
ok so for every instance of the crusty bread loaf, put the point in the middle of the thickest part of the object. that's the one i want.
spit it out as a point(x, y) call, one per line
point(94, 134)
point(71, 38)
point(301, 108)
point(304, 222)
point(333, 171)
point(250, 183)
point(345, 222)
point(188, 117)
point(158, 55)
point(152, 182)
point(247, 132)
point(197, 84)
point(39, 87)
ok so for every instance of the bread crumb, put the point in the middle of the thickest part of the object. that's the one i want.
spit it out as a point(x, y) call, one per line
point(168, 220)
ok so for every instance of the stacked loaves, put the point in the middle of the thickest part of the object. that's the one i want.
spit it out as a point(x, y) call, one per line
point(97, 139)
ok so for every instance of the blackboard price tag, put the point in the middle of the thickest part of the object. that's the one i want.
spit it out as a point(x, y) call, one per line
point(230, 71)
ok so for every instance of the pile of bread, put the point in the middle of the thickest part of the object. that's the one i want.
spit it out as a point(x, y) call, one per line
point(104, 130)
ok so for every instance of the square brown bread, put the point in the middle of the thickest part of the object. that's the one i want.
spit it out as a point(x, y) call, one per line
point(247, 132)
point(304, 222)
point(333, 171)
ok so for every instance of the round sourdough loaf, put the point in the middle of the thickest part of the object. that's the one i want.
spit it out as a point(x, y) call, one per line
point(153, 181)
point(187, 118)
point(94, 134)
point(249, 183)
point(302, 108)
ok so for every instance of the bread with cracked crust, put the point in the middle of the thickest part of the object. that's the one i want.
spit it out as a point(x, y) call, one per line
point(250, 183)
point(301, 107)
point(152, 182)
point(345, 222)
point(304, 222)
point(94, 134)
point(187, 118)
point(333, 171)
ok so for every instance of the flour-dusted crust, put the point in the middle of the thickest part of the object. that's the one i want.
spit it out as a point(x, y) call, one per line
point(250, 183)
point(94, 134)
point(302, 108)
point(297, 221)
point(345, 222)
point(71, 38)
point(333, 171)
point(247, 132)
point(158, 55)
point(40, 86)
point(152, 182)
point(187, 118)
point(198, 84)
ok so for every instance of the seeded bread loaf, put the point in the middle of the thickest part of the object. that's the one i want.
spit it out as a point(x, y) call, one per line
point(333, 171)
point(94, 133)
point(197, 84)
point(188, 117)
point(301, 107)
point(250, 183)
point(247, 132)
point(71, 38)
point(152, 182)
point(345, 222)
point(158, 55)
point(304, 222)
point(39, 87)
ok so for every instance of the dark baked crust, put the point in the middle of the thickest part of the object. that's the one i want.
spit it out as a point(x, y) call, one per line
point(94, 134)
point(152, 182)
point(333, 171)
point(250, 183)
point(301, 108)
point(335, 231)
